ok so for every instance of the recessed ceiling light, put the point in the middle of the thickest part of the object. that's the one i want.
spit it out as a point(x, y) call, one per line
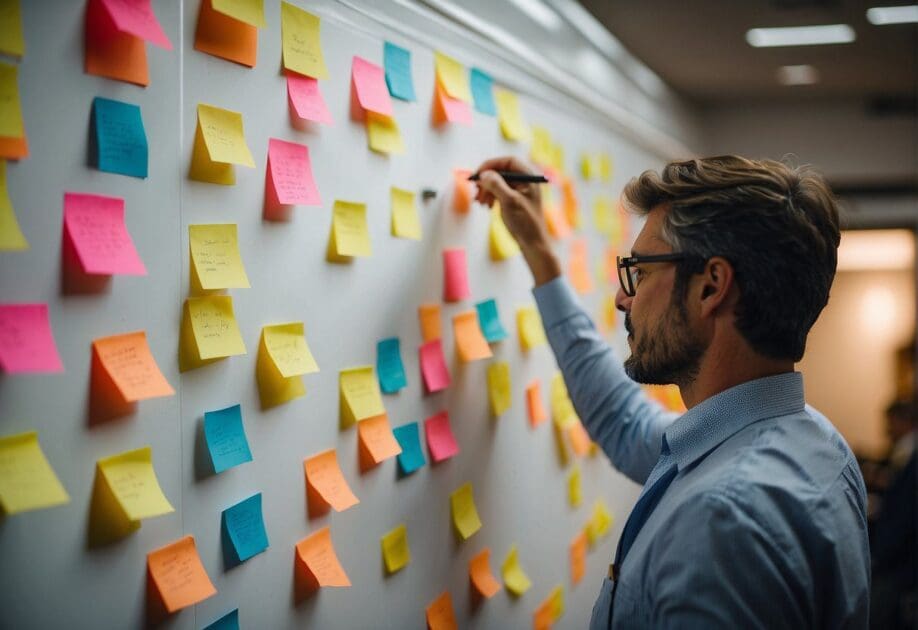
point(893, 15)
point(798, 75)
point(800, 35)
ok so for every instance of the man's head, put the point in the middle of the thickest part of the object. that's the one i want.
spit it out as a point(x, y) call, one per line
point(759, 243)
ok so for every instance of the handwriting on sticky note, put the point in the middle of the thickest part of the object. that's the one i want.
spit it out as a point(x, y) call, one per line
point(480, 574)
point(286, 344)
point(132, 480)
point(224, 135)
point(515, 579)
point(405, 220)
point(433, 366)
point(224, 434)
point(302, 48)
point(306, 99)
point(455, 275)
point(465, 514)
point(94, 225)
point(429, 317)
point(130, 364)
point(397, 62)
point(27, 481)
point(360, 397)
point(215, 258)
point(244, 525)
point(26, 341)
point(290, 173)
point(121, 143)
point(412, 457)
point(440, 613)
point(213, 322)
point(318, 556)
point(395, 550)
point(440, 439)
point(470, 342)
point(376, 439)
point(178, 574)
point(326, 483)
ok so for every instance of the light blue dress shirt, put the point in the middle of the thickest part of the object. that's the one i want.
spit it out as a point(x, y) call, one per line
point(764, 522)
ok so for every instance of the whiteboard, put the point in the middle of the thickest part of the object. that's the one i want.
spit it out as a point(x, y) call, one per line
point(50, 577)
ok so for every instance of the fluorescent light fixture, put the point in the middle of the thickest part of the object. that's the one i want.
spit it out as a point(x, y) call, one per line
point(540, 13)
point(881, 16)
point(798, 75)
point(800, 35)
point(862, 250)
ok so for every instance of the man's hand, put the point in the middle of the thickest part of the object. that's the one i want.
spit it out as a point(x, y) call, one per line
point(521, 209)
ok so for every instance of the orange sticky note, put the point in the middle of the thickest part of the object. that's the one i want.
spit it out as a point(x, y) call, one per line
point(578, 557)
point(115, 34)
point(226, 37)
point(556, 222)
point(325, 484)
point(480, 574)
point(429, 316)
point(14, 148)
point(537, 413)
point(569, 201)
point(376, 441)
point(126, 362)
point(470, 342)
point(440, 614)
point(317, 556)
point(462, 190)
point(580, 439)
point(578, 267)
point(178, 574)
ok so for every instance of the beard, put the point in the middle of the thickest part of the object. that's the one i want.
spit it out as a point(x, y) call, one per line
point(670, 353)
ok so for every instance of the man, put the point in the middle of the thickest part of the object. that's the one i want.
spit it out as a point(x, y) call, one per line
point(753, 508)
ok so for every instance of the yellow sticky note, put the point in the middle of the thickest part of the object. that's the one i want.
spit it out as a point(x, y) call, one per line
point(508, 115)
point(499, 387)
point(10, 109)
point(383, 134)
point(349, 233)
point(574, 491)
point(11, 236)
point(131, 479)
point(557, 157)
point(11, 40)
point(465, 514)
point(302, 47)
point(27, 481)
point(602, 215)
point(215, 259)
point(219, 142)
point(209, 331)
point(396, 553)
point(599, 523)
point(529, 327)
point(542, 149)
point(360, 397)
point(515, 579)
point(604, 167)
point(586, 166)
point(286, 345)
point(562, 409)
point(501, 244)
point(251, 12)
point(453, 77)
point(405, 220)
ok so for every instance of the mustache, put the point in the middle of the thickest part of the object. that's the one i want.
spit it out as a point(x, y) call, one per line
point(628, 326)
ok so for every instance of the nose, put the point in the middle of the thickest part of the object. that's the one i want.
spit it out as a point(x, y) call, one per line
point(622, 301)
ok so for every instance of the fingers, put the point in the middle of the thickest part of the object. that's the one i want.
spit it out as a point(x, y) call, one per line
point(506, 163)
point(493, 185)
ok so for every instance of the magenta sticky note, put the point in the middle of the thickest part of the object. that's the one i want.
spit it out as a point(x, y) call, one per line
point(290, 173)
point(136, 17)
point(454, 110)
point(370, 85)
point(433, 366)
point(455, 275)
point(94, 225)
point(306, 98)
point(440, 439)
point(26, 341)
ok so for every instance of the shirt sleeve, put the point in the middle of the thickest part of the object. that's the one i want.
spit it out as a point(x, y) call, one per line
point(617, 414)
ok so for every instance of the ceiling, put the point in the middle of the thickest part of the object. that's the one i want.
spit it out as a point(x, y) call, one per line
point(699, 49)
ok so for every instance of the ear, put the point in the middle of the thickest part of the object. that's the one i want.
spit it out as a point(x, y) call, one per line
point(716, 285)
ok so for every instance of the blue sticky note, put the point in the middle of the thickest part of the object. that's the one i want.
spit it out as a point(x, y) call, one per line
point(121, 143)
point(389, 366)
point(483, 92)
point(398, 72)
point(412, 457)
point(229, 621)
point(225, 437)
point(244, 528)
point(490, 322)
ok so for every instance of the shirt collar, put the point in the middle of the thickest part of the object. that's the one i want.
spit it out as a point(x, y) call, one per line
point(712, 421)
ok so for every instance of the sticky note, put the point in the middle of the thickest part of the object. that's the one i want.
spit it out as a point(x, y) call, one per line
point(470, 343)
point(120, 140)
point(94, 229)
point(405, 220)
point(455, 275)
point(578, 548)
point(224, 435)
point(542, 149)
point(489, 320)
point(215, 259)
point(574, 491)
point(465, 514)
point(306, 99)
point(440, 614)
point(178, 574)
point(587, 169)
point(129, 478)
point(450, 110)
point(27, 481)
point(529, 327)
point(243, 526)
point(440, 439)
point(350, 235)
point(429, 317)
point(317, 556)
point(599, 523)
point(302, 48)
point(11, 39)
point(483, 91)
point(608, 314)
point(248, 11)
point(126, 361)
point(11, 236)
point(376, 442)
point(579, 438)
point(515, 579)
point(501, 244)
point(383, 135)
point(229, 621)
point(209, 331)
point(283, 357)
point(551, 609)
point(480, 574)
point(499, 387)
point(111, 53)
point(451, 75)
point(509, 117)
point(11, 125)
point(562, 409)
point(395, 550)
point(14, 148)
point(289, 178)
point(578, 267)
point(604, 166)
point(397, 62)
point(534, 404)
point(369, 83)
point(325, 484)
point(412, 457)
point(602, 215)
point(433, 366)
point(556, 221)
point(462, 190)
point(136, 17)
point(389, 366)
point(221, 34)
point(360, 398)
point(219, 142)
point(26, 341)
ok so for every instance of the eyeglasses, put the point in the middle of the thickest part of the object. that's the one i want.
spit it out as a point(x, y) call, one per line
point(628, 275)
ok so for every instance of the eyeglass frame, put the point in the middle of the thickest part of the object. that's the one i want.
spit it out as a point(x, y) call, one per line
point(626, 263)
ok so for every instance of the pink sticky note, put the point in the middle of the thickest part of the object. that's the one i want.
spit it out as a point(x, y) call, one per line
point(452, 109)
point(455, 275)
point(26, 342)
point(370, 84)
point(94, 225)
point(440, 439)
point(433, 366)
point(290, 174)
point(136, 18)
point(306, 98)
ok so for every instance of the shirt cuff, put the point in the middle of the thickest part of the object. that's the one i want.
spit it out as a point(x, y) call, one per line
point(556, 301)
